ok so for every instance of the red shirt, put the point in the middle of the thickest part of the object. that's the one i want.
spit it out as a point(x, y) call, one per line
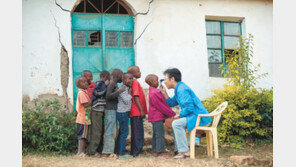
point(137, 91)
point(90, 89)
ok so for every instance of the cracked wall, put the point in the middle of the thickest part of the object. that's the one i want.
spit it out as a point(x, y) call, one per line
point(168, 33)
point(47, 67)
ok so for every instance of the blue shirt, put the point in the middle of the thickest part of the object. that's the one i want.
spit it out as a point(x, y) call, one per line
point(190, 105)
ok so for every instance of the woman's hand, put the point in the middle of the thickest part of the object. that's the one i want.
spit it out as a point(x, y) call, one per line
point(163, 91)
point(168, 122)
point(176, 116)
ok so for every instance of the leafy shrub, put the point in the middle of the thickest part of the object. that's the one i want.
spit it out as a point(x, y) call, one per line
point(47, 127)
point(240, 70)
point(248, 116)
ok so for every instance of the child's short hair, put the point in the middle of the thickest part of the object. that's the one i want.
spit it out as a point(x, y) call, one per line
point(78, 80)
point(117, 73)
point(85, 72)
point(149, 78)
point(131, 69)
point(104, 74)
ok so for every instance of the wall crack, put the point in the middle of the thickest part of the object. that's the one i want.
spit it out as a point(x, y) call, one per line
point(66, 10)
point(145, 13)
point(142, 33)
point(64, 67)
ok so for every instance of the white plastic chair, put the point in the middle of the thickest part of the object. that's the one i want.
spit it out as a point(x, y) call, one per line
point(211, 132)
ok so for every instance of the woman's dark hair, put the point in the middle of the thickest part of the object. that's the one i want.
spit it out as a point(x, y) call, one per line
point(173, 72)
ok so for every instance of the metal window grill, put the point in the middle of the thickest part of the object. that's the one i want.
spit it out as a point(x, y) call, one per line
point(126, 39)
point(79, 38)
point(111, 39)
point(221, 36)
point(103, 7)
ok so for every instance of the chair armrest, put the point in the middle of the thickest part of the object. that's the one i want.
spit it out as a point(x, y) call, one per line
point(208, 115)
point(204, 115)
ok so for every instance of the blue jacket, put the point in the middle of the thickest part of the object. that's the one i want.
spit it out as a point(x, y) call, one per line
point(190, 105)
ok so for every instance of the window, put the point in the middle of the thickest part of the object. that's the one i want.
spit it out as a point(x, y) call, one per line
point(79, 38)
point(221, 38)
point(111, 39)
point(94, 38)
point(126, 39)
point(103, 7)
point(87, 38)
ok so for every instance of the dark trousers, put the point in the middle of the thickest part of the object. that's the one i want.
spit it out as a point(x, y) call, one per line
point(137, 135)
point(120, 144)
point(97, 132)
point(158, 137)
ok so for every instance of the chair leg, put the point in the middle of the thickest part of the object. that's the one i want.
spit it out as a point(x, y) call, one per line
point(211, 143)
point(192, 144)
point(215, 139)
point(208, 143)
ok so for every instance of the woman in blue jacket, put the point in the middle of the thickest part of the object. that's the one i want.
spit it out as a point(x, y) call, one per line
point(190, 106)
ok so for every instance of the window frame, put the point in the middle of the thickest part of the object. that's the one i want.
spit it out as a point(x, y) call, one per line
point(222, 41)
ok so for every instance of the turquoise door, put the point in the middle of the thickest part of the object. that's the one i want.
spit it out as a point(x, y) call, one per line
point(101, 42)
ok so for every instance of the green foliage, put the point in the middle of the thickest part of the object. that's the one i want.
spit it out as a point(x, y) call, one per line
point(47, 127)
point(248, 116)
point(240, 69)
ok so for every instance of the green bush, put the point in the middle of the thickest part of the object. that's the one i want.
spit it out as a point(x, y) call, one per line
point(48, 127)
point(248, 116)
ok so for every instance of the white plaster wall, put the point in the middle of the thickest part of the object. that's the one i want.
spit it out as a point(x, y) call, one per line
point(258, 20)
point(176, 37)
point(41, 47)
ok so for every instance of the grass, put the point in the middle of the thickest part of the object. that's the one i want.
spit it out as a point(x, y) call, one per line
point(259, 151)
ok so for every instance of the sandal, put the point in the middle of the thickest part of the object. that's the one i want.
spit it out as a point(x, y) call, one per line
point(124, 156)
point(180, 156)
point(187, 154)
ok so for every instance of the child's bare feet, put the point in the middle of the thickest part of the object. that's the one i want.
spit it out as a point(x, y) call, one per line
point(154, 154)
point(164, 155)
point(97, 154)
point(109, 155)
point(80, 155)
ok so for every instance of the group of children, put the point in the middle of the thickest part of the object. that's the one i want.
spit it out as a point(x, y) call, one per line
point(100, 105)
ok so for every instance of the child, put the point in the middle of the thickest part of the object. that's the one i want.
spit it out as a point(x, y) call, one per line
point(83, 101)
point(158, 112)
point(91, 85)
point(122, 115)
point(110, 112)
point(138, 111)
point(97, 114)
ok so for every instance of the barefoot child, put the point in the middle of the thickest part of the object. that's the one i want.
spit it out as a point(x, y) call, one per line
point(158, 112)
point(110, 112)
point(138, 111)
point(83, 102)
point(122, 115)
point(97, 114)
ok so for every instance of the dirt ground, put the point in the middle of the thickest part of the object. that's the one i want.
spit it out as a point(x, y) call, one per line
point(260, 152)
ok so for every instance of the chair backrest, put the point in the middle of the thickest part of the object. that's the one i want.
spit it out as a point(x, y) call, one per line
point(218, 111)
